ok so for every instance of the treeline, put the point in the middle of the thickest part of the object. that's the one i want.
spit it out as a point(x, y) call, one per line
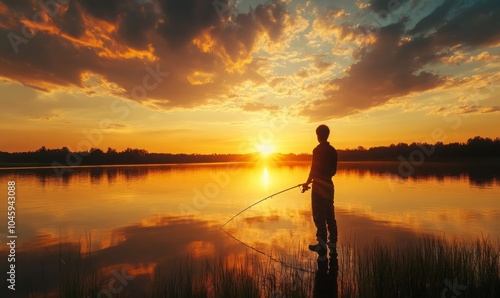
point(95, 156)
point(474, 149)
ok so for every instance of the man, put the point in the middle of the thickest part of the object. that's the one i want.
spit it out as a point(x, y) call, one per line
point(323, 168)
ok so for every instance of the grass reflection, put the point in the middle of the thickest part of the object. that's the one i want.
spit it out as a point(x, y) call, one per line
point(150, 264)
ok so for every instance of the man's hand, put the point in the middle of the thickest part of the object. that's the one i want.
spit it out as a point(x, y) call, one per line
point(305, 187)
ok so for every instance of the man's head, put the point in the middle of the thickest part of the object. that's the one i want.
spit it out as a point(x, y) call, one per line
point(322, 132)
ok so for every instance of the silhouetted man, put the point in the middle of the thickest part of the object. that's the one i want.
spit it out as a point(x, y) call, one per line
point(323, 168)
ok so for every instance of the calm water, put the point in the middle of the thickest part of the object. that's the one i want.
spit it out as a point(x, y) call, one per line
point(142, 216)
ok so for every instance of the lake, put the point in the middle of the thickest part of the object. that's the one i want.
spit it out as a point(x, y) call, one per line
point(140, 216)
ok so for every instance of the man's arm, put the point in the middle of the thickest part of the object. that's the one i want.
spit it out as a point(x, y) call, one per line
point(305, 186)
point(310, 177)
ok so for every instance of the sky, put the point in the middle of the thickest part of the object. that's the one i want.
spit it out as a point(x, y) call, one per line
point(226, 76)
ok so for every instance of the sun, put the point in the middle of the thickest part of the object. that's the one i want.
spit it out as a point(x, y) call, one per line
point(265, 149)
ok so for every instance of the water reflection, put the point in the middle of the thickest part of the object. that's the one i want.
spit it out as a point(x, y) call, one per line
point(135, 221)
point(478, 174)
point(139, 251)
point(326, 277)
point(265, 177)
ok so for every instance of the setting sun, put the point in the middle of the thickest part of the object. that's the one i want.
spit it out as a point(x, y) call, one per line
point(265, 149)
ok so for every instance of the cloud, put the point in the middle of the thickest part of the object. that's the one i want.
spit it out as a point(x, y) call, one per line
point(460, 57)
point(258, 106)
point(276, 81)
point(124, 43)
point(384, 71)
point(320, 64)
point(397, 63)
point(303, 73)
point(362, 5)
point(465, 109)
point(45, 118)
point(478, 109)
point(178, 54)
point(435, 19)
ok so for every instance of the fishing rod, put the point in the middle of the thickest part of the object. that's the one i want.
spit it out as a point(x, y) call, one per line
point(304, 188)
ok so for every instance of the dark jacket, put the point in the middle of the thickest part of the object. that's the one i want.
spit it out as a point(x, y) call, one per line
point(324, 163)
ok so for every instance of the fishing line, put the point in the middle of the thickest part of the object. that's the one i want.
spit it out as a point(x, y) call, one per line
point(268, 197)
point(256, 249)
point(284, 264)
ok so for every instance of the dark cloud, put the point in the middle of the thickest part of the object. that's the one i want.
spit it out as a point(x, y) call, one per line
point(387, 5)
point(136, 24)
point(112, 40)
point(395, 64)
point(271, 19)
point(43, 61)
point(475, 26)
point(71, 22)
point(434, 19)
point(121, 41)
point(385, 70)
point(185, 19)
point(22, 6)
point(107, 10)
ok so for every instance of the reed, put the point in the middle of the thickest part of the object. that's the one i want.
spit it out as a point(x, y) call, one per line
point(430, 267)
point(427, 267)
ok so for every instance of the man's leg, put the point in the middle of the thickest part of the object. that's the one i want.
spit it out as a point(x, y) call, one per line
point(320, 223)
point(331, 222)
point(319, 219)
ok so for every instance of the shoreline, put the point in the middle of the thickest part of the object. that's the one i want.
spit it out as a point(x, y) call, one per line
point(27, 166)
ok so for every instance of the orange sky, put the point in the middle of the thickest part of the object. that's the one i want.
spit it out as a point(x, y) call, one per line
point(206, 77)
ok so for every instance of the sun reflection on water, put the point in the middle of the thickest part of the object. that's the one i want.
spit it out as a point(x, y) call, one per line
point(265, 177)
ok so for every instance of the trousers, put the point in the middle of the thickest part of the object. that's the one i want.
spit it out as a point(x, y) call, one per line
point(323, 211)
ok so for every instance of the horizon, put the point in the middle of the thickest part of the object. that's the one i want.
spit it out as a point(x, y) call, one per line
point(265, 153)
point(248, 76)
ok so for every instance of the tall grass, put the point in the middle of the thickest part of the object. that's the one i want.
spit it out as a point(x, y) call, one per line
point(431, 267)
point(77, 275)
point(251, 276)
point(428, 267)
